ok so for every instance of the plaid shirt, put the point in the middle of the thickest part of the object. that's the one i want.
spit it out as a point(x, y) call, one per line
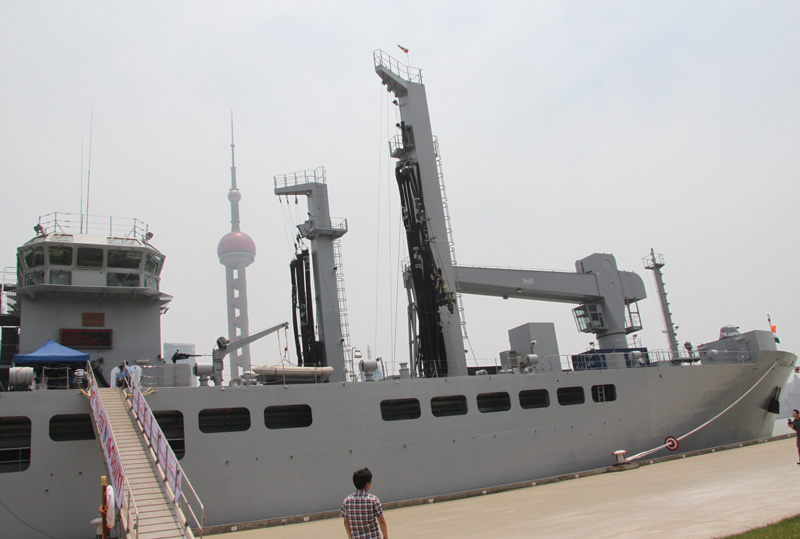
point(361, 509)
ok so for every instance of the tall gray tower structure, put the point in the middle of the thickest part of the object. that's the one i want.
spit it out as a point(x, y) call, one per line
point(236, 251)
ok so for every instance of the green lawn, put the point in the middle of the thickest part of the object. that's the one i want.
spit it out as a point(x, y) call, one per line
point(785, 529)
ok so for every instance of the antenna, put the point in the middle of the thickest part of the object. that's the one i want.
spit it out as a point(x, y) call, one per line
point(89, 169)
point(81, 182)
point(234, 196)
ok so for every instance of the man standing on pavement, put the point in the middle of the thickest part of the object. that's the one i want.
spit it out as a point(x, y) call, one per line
point(362, 511)
point(794, 424)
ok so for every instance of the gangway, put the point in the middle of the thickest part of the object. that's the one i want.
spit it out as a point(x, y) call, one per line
point(154, 504)
point(157, 515)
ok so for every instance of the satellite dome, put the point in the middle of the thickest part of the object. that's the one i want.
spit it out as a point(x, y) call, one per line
point(236, 248)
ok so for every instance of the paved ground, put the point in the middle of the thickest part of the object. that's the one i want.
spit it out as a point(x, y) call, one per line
point(706, 496)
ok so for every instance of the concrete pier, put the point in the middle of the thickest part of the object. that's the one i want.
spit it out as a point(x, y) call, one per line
point(704, 496)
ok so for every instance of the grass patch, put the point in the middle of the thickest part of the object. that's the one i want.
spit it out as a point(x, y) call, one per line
point(785, 529)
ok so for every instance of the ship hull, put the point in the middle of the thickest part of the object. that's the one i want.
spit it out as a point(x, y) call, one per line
point(261, 472)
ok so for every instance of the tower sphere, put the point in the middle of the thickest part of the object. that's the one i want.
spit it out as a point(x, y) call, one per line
point(236, 248)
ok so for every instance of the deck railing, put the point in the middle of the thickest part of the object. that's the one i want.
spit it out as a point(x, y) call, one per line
point(596, 360)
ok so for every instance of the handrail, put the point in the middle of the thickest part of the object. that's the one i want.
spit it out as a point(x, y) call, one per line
point(592, 360)
point(383, 58)
point(300, 178)
point(140, 408)
point(71, 223)
point(131, 516)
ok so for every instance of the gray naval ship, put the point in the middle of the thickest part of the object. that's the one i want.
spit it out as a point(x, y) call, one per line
point(262, 441)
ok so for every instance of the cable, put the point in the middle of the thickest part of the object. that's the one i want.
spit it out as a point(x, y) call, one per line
point(645, 453)
point(28, 525)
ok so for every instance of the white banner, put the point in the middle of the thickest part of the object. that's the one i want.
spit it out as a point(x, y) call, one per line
point(113, 462)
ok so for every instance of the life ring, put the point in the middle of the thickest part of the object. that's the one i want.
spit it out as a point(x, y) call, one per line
point(671, 443)
point(111, 511)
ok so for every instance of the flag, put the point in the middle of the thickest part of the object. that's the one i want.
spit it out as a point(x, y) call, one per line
point(402, 48)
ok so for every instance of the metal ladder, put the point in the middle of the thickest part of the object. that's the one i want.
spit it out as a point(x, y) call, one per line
point(449, 228)
point(344, 322)
point(157, 515)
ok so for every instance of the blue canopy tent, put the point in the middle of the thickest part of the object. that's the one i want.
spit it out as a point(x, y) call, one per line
point(51, 352)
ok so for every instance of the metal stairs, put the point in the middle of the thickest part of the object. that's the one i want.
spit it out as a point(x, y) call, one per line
point(157, 515)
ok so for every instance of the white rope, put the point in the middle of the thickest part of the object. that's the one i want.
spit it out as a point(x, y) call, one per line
point(734, 403)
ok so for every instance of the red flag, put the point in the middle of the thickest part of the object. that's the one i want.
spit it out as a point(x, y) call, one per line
point(402, 48)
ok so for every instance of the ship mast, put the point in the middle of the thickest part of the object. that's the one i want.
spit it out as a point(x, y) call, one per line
point(654, 262)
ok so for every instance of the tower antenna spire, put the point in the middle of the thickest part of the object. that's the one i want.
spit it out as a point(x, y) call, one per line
point(235, 227)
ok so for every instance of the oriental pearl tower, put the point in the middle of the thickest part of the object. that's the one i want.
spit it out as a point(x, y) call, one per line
point(236, 251)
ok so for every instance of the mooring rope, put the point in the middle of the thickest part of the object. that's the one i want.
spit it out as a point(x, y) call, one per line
point(663, 446)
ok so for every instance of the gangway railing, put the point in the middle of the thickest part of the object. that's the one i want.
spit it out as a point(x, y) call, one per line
point(184, 495)
point(118, 480)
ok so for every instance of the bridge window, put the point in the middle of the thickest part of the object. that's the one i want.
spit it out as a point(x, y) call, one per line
point(33, 257)
point(494, 402)
point(604, 393)
point(60, 277)
point(124, 258)
point(15, 444)
point(449, 405)
point(60, 255)
point(534, 398)
point(293, 416)
point(400, 409)
point(71, 427)
point(90, 257)
point(152, 263)
point(171, 423)
point(224, 420)
point(34, 278)
point(570, 395)
point(122, 279)
point(151, 282)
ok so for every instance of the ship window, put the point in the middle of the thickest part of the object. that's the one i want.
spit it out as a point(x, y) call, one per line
point(449, 405)
point(71, 427)
point(15, 444)
point(90, 257)
point(570, 395)
point(224, 420)
point(171, 423)
point(123, 241)
point(400, 409)
point(293, 416)
point(60, 277)
point(34, 277)
point(122, 279)
point(33, 257)
point(604, 393)
point(534, 398)
point(60, 255)
point(494, 402)
point(152, 263)
point(151, 282)
point(124, 258)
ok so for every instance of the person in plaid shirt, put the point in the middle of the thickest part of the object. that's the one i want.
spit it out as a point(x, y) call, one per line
point(362, 511)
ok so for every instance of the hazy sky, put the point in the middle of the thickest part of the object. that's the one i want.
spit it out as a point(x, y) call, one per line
point(566, 128)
